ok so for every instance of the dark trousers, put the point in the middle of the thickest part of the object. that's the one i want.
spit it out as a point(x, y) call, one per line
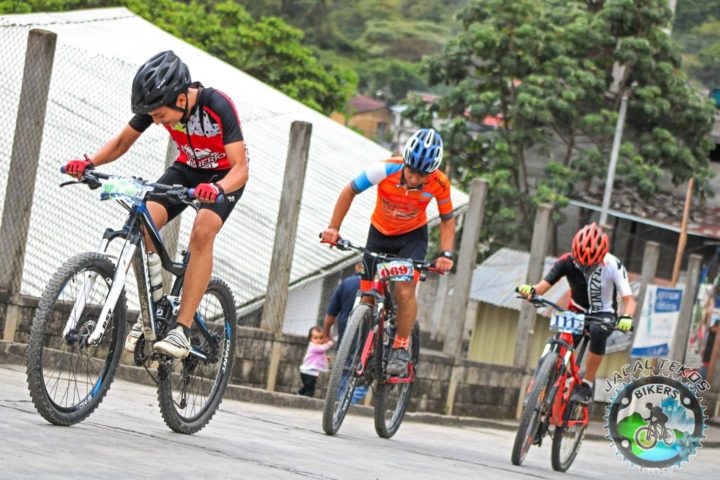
point(308, 388)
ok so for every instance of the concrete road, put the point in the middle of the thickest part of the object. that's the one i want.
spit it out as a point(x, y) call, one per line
point(127, 439)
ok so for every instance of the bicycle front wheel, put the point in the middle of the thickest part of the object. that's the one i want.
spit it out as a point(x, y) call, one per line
point(532, 413)
point(567, 439)
point(646, 438)
point(344, 373)
point(67, 376)
point(190, 391)
point(392, 399)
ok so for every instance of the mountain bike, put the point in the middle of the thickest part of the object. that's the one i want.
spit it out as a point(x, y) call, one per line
point(365, 348)
point(78, 332)
point(548, 398)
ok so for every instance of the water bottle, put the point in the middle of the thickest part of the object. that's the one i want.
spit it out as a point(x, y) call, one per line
point(156, 280)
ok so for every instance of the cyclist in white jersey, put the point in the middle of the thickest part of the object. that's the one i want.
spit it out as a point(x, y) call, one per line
point(595, 277)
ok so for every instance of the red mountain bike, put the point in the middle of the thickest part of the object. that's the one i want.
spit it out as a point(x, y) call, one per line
point(547, 401)
point(364, 349)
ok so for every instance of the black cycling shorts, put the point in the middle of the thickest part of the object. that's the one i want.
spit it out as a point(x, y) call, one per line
point(181, 174)
point(412, 244)
point(598, 335)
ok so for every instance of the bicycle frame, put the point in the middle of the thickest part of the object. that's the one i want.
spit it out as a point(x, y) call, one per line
point(134, 253)
point(567, 367)
point(383, 304)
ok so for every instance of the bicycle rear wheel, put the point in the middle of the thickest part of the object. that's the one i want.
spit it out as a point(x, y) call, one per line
point(68, 377)
point(567, 439)
point(533, 411)
point(190, 391)
point(344, 372)
point(392, 399)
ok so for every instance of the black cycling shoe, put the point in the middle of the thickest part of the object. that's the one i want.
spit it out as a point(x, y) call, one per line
point(398, 362)
point(582, 393)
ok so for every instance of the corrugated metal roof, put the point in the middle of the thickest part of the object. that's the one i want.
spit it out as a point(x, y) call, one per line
point(494, 280)
point(98, 52)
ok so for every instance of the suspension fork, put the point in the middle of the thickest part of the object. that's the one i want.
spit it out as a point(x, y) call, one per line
point(89, 279)
point(118, 284)
point(367, 346)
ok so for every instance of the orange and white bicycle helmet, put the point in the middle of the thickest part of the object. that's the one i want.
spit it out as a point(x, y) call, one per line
point(590, 245)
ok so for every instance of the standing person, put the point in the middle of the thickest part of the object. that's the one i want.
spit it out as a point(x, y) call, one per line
point(341, 303)
point(315, 361)
point(399, 224)
point(339, 308)
point(212, 158)
point(595, 277)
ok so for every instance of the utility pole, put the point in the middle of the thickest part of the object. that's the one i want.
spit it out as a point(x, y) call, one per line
point(615, 153)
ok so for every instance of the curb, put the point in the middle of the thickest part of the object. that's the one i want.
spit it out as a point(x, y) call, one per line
point(14, 353)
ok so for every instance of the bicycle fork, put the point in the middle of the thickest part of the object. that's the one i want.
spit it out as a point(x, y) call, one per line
point(118, 284)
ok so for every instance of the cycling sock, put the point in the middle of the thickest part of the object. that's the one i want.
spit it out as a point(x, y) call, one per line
point(589, 384)
point(401, 342)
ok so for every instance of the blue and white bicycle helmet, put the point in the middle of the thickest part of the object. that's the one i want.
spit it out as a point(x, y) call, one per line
point(424, 151)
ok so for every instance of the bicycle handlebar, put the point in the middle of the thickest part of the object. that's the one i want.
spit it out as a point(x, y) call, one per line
point(347, 245)
point(91, 177)
point(537, 302)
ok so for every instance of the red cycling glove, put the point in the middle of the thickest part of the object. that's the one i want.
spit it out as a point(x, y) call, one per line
point(208, 192)
point(77, 167)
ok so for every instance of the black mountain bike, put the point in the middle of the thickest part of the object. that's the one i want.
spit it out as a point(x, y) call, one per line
point(78, 331)
point(365, 348)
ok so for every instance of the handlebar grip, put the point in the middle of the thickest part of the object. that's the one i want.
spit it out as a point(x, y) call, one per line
point(62, 168)
point(218, 199)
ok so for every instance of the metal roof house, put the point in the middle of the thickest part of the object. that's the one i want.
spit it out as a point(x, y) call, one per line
point(98, 52)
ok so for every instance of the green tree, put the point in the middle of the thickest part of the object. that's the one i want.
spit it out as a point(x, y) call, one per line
point(692, 13)
point(545, 68)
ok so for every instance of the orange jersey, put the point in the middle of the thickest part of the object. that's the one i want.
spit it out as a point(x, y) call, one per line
point(400, 209)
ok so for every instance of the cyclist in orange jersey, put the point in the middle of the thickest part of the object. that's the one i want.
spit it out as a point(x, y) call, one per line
point(399, 223)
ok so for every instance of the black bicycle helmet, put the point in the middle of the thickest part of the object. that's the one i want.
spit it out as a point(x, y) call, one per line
point(158, 82)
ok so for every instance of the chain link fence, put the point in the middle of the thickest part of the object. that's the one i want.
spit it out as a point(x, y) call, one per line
point(89, 103)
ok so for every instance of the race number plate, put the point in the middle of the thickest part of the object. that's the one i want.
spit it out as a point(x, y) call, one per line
point(568, 322)
point(122, 188)
point(396, 270)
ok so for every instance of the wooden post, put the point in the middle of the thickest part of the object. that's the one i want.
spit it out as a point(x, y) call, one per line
point(284, 244)
point(538, 249)
point(465, 267)
point(649, 268)
point(682, 330)
point(683, 233)
point(24, 161)
point(25, 156)
point(286, 226)
point(463, 280)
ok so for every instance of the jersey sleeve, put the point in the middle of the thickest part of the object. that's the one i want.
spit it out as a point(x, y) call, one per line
point(374, 174)
point(620, 278)
point(558, 270)
point(140, 123)
point(225, 109)
point(444, 201)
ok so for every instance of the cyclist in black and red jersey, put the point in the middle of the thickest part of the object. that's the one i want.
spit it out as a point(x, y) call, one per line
point(205, 126)
point(595, 277)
